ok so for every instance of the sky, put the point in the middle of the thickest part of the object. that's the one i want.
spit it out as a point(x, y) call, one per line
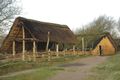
point(74, 13)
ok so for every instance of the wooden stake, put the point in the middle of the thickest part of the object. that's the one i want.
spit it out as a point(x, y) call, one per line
point(63, 52)
point(13, 48)
point(49, 55)
point(83, 47)
point(74, 49)
point(23, 52)
point(34, 51)
point(48, 40)
point(57, 50)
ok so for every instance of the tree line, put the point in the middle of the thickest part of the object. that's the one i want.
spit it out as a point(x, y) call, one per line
point(102, 24)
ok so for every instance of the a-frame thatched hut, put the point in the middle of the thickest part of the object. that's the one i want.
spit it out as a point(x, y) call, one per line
point(103, 44)
point(98, 44)
point(31, 35)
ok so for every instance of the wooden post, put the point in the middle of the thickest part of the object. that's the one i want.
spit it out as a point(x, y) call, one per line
point(13, 48)
point(83, 47)
point(57, 50)
point(34, 51)
point(23, 50)
point(64, 52)
point(49, 55)
point(48, 40)
point(74, 49)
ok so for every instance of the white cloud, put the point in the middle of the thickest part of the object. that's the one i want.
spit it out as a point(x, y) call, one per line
point(74, 13)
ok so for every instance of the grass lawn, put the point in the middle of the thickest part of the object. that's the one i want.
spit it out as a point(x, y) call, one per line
point(45, 68)
point(110, 70)
point(39, 74)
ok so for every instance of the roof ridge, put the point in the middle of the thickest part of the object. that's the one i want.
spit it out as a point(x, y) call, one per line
point(42, 22)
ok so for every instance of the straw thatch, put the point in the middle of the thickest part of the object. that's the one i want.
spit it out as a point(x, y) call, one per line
point(92, 40)
point(95, 41)
point(38, 31)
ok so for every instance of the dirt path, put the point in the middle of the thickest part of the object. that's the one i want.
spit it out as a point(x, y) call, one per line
point(78, 69)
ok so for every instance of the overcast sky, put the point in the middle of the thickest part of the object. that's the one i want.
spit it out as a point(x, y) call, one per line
point(73, 13)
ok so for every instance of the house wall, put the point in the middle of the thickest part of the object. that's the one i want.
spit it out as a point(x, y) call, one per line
point(107, 47)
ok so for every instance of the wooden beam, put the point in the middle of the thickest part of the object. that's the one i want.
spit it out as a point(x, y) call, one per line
point(29, 31)
point(49, 55)
point(48, 40)
point(13, 48)
point(57, 50)
point(74, 49)
point(34, 51)
point(29, 39)
point(85, 35)
point(23, 50)
point(83, 45)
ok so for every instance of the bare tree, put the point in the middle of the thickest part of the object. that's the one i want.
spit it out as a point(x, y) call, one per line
point(100, 25)
point(8, 10)
point(118, 25)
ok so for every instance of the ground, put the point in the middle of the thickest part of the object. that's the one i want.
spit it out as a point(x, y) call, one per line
point(79, 69)
point(75, 70)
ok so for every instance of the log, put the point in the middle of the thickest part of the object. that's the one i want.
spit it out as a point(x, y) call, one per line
point(23, 50)
point(34, 51)
point(57, 50)
point(74, 49)
point(14, 48)
point(48, 40)
point(26, 39)
point(49, 55)
point(83, 45)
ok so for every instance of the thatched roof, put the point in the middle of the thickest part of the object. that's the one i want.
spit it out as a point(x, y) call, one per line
point(92, 40)
point(39, 30)
point(117, 41)
point(95, 41)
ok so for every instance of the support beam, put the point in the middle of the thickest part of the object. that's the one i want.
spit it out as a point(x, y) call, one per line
point(83, 46)
point(48, 40)
point(23, 50)
point(49, 55)
point(14, 48)
point(74, 49)
point(57, 50)
point(34, 51)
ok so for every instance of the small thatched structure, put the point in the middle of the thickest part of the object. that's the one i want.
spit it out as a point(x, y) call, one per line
point(31, 35)
point(99, 44)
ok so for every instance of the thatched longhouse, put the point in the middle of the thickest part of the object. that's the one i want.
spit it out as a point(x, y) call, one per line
point(27, 34)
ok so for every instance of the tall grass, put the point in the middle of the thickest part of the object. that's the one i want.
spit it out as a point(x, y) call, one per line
point(39, 74)
point(110, 70)
point(14, 66)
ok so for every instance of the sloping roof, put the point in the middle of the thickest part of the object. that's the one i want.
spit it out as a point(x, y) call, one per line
point(58, 33)
point(117, 41)
point(95, 41)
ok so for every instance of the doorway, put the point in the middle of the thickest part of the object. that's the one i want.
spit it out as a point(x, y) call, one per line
point(100, 50)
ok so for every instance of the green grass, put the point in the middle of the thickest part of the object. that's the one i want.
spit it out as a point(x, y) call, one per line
point(46, 68)
point(110, 70)
point(40, 74)
point(13, 66)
